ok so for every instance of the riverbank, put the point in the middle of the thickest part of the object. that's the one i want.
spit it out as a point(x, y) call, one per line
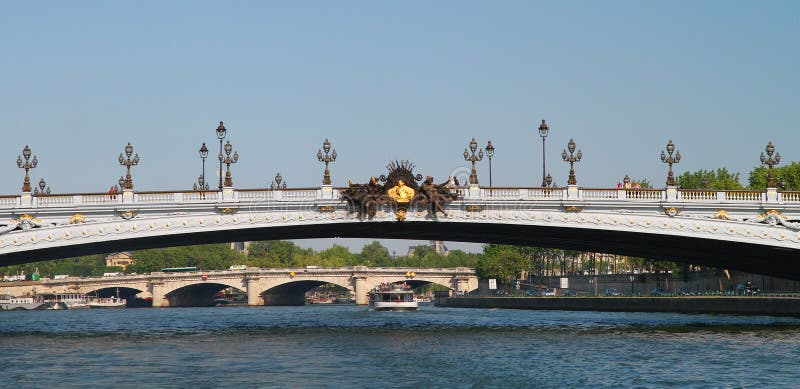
point(741, 305)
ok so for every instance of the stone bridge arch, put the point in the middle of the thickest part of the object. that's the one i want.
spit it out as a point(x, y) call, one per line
point(182, 293)
point(273, 291)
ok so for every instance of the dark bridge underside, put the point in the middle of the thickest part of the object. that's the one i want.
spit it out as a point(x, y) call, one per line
point(760, 259)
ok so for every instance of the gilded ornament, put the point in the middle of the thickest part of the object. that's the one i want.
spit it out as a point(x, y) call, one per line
point(77, 218)
point(228, 210)
point(671, 212)
point(474, 208)
point(327, 208)
point(572, 208)
point(401, 192)
point(722, 215)
point(127, 215)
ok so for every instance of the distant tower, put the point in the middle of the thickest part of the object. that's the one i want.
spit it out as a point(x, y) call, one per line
point(440, 248)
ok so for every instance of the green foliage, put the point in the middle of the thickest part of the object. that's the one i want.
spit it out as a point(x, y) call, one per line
point(205, 257)
point(374, 254)
point(790, 174)
point(720, 179)
point(502, 262)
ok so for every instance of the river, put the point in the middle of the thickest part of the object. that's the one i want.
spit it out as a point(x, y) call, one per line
point(349, 346)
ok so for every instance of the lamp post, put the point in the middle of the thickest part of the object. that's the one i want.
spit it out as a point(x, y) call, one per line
point(571, 158)
point(221, 131)
point(201, 183)
point(41, 189)
point(228, 160)
point(548, 180)
point(473, 157)
point(277, 183)
point(27, 165)
point(668, 158)
point(543, 131)
point(128, 162)
point(490, 154)
point(326, 158)
point(704, 182)
point(121, 183)
point(765, 160)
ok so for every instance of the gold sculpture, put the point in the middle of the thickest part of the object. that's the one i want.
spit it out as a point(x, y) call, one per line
point(401, 193)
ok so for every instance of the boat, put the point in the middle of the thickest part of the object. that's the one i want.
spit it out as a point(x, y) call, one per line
point(392, 297)
point(72, 300)
point(106, 302)
point(12, 303)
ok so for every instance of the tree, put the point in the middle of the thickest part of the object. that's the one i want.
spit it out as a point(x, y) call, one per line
point(790, 174)
point(336, 256)
point(720, 179)
point(374, 254)
point(503, 262)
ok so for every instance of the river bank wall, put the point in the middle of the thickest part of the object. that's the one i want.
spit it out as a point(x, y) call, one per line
point(742, 305)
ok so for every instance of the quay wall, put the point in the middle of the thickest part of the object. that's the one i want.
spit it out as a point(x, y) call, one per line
point(745, 305)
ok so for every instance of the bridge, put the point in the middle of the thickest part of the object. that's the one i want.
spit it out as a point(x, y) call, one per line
point(262, 286)
point(754, 231)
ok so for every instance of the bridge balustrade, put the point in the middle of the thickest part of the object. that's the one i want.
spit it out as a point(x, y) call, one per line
point(310, 194)
point(743, 195)
point(790, 197)
point(301, 194)
point(9, 201)
point(594, 194)
point(645, 194)
point(698, 195)
point(256, 194)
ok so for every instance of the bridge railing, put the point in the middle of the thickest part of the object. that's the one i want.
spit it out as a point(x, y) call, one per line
point(311, 194)
point(789, 197)
point(9, 201)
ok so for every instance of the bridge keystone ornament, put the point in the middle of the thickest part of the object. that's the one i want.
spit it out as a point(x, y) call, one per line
point(400, 193)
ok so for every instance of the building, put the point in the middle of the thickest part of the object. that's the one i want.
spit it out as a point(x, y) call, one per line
point(122, 259)
point(242, 247)
point(436, 245)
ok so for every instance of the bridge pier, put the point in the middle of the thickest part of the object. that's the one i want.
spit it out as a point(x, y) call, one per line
point(157, 290)
point(462, 284)
point(361, 290)
point(253, 297)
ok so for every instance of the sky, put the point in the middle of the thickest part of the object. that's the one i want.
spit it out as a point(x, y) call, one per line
point(411, 80)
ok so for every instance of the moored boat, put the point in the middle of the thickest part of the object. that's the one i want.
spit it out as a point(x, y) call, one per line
point(12, 303)
point(106, 302)
point(392, 297)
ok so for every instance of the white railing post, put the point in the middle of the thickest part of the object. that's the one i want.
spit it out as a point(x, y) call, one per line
point(178, 197)
point(771, 196)
point(228, 194)
point(721, 196)
point(326, 192)
point(26, 200)
point(672, 193)
point(128, 196)
point(573, 192)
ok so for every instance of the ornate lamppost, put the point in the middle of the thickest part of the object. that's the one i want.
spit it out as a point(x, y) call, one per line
point(668, 158)
point(128, 162)
point(571, 158)
point(201, 183)
point(277, 183)
point(221, 131)
point(473, 157)
point(490, 154)
point(41, 189)
point(548, 180)
point(27, 165)
point(765, 160)
point(543, 131)
point(326, 158)
point(228, 160)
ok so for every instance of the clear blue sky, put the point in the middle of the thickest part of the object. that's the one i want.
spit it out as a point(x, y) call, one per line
point(394, 80)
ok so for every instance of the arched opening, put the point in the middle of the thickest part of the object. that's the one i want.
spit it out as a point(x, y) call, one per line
point(132, 300)
point(204, 294)
point(292, 293)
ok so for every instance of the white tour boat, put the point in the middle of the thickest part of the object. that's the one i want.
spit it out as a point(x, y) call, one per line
point(392, 297)
point(11, 303)
point(106, 302)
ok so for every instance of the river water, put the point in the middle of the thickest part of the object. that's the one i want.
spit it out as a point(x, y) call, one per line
point(349, 346)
